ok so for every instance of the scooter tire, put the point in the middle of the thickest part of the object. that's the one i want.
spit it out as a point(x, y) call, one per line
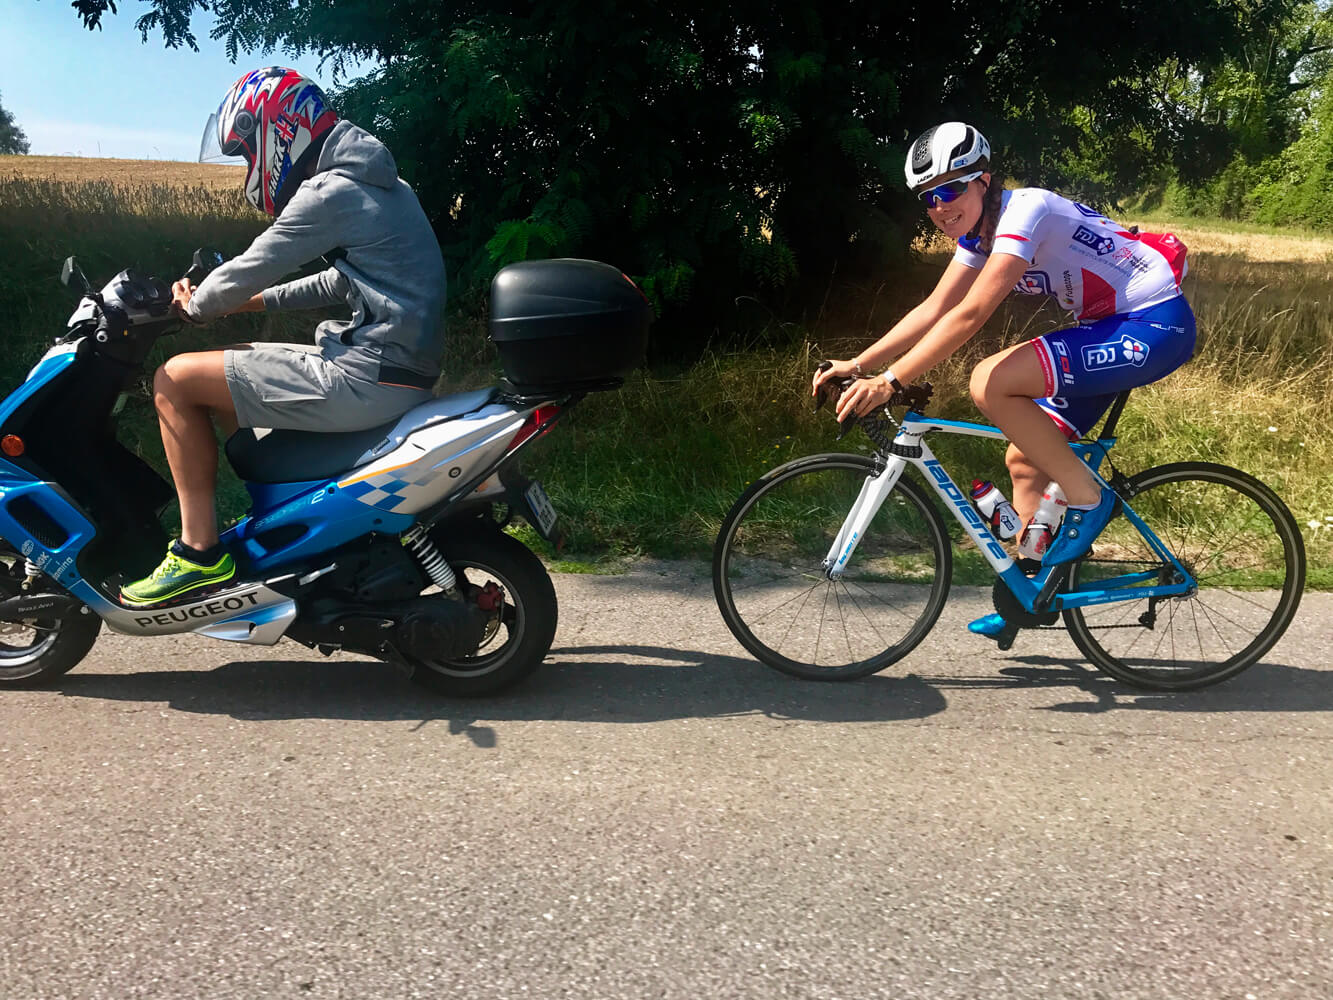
point(58, 645)
point(528, 618)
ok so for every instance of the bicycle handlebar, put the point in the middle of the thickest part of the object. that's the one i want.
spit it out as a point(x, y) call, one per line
point(914, 397)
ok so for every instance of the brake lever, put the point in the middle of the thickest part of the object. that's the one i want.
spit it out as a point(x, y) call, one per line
point(831, 390)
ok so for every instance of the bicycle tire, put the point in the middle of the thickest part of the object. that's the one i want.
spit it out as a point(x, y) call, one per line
point(905, 556)
point(1250, 581)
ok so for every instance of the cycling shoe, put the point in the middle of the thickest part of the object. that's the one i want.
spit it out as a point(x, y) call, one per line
point(1079, 529)
point(989, 625)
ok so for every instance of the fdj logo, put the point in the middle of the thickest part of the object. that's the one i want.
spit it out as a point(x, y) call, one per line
point(1115, 354)
point(1034, 283)
point(969, 513)
point(1102, 244)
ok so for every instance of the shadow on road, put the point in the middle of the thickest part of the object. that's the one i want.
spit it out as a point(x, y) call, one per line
point(1266, 687)
point(590, 683)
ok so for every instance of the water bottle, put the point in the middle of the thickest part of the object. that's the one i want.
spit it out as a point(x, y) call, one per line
point(998, 511)
point(1040, 531)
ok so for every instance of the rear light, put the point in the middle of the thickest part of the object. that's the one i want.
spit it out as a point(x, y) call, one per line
point(12, 445)
point(536, 424)
point(636, 288)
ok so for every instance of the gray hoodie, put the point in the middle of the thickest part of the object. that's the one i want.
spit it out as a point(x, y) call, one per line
point(386, 262)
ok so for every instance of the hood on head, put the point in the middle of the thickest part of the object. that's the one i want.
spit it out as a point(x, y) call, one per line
point(357, 154)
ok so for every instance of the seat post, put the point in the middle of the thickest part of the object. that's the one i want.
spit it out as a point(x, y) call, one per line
point(1113, 415)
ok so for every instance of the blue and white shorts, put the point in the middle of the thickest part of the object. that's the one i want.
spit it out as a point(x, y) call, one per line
point(1086, 365)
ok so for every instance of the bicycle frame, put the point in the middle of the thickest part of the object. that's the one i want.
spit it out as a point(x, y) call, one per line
point(910, 448)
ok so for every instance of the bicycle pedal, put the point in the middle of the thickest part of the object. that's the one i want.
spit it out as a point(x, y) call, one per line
point(1005, 640)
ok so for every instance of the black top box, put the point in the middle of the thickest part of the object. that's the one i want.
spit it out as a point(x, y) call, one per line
point(567, 324)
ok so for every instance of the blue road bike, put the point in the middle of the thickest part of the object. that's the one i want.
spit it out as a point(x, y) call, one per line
point(835, 566)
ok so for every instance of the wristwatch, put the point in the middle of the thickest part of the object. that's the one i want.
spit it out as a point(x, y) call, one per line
point(889, 377)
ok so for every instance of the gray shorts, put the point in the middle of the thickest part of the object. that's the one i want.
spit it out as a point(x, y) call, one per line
point(294, 387)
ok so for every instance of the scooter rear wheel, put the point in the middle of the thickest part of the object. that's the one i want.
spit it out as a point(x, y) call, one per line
point(38, 650)
point(524, 625)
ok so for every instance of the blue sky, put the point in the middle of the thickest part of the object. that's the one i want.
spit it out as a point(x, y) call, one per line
point(104, 93)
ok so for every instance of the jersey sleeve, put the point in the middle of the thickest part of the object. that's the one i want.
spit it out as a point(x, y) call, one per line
point(968, 254)
point(1016, 231)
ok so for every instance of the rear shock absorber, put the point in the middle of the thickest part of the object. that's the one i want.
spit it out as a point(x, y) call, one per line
point(417, 541)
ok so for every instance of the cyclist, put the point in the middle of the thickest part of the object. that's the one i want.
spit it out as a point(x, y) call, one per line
point(1123, 287)
point(333, 191)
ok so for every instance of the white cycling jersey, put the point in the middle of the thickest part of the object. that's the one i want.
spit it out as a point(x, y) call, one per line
point(1094, 267)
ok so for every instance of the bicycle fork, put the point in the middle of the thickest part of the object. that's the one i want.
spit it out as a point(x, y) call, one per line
point(874, 491)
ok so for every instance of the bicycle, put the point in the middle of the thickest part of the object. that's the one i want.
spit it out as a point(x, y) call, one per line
point(1192, 583)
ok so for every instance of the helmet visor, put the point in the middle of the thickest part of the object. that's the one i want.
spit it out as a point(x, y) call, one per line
point(210, 151)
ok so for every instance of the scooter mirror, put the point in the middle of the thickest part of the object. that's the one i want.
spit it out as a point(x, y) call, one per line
point(205, 260)
point(72, 275)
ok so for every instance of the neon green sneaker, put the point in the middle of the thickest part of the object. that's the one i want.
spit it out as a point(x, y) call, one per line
point(174, 576)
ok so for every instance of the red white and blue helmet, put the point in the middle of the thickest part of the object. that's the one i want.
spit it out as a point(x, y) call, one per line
point(276, 120)
point(944, 152)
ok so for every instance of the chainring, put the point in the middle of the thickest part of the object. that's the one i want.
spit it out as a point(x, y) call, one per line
point(1014, 613)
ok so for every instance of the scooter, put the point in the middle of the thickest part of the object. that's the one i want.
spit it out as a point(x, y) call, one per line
point(386, 542)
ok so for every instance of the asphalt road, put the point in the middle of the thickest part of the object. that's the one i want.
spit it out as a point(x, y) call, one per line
point(656, 815)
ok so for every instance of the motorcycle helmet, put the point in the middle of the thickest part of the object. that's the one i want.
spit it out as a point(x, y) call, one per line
point(944, 152)
point(276, 120)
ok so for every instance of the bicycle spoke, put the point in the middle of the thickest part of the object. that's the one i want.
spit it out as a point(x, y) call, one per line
point(1236, 539)
point(872, 614)
point(846, 637)
point(875, 597)
point(823, 612)
point(779, 607)
point(798, 610)
point(1194, 614)
point(878, 635)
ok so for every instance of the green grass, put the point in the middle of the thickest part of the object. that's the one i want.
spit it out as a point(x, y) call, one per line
point(651, 469)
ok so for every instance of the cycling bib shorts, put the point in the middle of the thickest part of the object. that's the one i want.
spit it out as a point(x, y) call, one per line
point(1086, 365)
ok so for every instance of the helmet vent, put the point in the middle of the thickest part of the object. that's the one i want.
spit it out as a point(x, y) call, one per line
point(965, 147)
point(921, 158)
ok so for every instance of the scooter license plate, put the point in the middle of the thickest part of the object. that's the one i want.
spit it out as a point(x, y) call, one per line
point(541, 508)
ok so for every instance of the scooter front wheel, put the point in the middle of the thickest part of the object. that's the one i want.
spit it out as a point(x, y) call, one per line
point(38, 650)
point(495, 565)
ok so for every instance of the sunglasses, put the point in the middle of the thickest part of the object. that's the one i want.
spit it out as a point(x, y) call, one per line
point(948, 191)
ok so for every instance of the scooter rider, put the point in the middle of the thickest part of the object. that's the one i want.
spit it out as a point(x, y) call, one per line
point(334, 192)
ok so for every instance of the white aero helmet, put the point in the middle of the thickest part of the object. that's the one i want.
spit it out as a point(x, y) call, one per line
point(944, 152)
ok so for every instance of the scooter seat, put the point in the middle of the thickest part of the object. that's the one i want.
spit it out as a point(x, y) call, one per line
point(283, 456)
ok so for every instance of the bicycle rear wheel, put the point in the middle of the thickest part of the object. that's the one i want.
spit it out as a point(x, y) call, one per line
point(1243, 548)
point(770, 584)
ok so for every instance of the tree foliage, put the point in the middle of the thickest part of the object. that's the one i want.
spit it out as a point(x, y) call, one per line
point(719, 146)
point(1249, 132)
point(12, 139)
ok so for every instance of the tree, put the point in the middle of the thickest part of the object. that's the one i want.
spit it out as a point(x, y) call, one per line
point(706, 146)
point(12, 139)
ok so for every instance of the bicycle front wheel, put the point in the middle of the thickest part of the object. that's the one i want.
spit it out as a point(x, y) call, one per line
point(1243, 548)
point(772, 590)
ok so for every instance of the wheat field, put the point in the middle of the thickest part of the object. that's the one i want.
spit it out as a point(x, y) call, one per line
point(79, 169)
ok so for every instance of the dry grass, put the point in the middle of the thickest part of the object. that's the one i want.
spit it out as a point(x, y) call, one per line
point(1258, 245)
point(1256, 395)
point(78, 169)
